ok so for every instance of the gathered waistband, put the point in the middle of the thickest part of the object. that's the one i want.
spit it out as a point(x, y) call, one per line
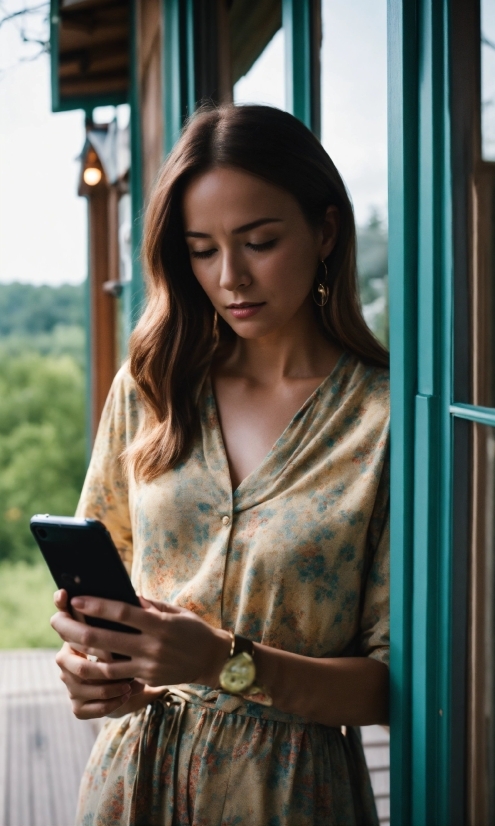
point(218, 700)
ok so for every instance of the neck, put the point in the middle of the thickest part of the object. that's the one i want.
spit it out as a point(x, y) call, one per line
point(296, 351)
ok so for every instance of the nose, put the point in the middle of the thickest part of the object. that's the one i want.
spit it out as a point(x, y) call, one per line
point(234, 275)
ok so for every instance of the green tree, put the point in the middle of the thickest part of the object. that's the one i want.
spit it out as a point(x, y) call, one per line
point(42, 444)
point(28, 310)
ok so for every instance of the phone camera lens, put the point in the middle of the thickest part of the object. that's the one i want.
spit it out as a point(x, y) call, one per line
point(42, 533)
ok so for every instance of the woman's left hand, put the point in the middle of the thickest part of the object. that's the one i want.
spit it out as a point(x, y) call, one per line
point(174, 646)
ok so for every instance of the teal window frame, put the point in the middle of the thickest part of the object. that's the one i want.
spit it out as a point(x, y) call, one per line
point(429, 592)
point(133, 295)
point(301, 59)
point(420, 284)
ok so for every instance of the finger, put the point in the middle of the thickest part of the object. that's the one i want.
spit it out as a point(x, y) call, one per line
point(82, 651)
point(61, 599)
point(69, 658)
point(163, 607)
point(57, 619)
point(90, 637)
point(116, 611)
point(86, 670)
point(92, 692)
point(89, 711)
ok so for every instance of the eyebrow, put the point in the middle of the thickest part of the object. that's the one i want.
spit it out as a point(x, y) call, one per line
point(245, 227)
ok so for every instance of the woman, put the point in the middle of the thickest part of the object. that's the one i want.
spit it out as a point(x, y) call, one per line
point(241, 468)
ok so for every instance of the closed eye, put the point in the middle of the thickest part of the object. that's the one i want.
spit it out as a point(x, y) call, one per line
point(202, 253)
point(267, 245)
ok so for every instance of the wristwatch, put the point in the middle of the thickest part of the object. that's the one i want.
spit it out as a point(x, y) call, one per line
point(238, 676)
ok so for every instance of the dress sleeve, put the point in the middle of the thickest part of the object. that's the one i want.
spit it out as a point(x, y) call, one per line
point(105, 493)
point(375, 616)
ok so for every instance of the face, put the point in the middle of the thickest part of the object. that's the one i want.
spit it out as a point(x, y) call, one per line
point(252, 250)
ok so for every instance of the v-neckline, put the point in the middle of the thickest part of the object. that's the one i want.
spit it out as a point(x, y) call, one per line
point(308, 403)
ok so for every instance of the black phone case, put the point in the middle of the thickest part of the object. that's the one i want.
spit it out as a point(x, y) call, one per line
point(82, 559)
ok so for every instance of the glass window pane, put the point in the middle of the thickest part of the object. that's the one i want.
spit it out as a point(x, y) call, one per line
point(265, 80)
point(488, 79)
point(474, 210)
point(354, 133)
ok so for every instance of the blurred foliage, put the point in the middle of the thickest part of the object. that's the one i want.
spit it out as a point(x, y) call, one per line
point(26, 605)
point(61, 340)
point(42, 430)
point(28, 310)
point(372, 261)
point(42, 444)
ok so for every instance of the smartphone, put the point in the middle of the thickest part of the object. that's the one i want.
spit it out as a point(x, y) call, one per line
point(82, 559)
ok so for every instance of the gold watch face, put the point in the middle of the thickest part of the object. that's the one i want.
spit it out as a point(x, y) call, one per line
point(238, 674)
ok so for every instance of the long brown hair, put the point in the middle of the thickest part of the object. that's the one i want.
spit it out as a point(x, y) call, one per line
point(172, 347)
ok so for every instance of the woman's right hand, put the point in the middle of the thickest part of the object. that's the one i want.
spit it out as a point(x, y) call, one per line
point(95, 698)
point(91, 698)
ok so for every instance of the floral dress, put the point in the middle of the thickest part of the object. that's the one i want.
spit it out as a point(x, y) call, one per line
point(296, 558)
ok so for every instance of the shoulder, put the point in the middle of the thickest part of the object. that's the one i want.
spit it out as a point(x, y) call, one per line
point(123, 407)
point(368, 384)
point(124, 390)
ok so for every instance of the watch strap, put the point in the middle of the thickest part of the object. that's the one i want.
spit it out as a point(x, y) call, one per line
point(241, 645)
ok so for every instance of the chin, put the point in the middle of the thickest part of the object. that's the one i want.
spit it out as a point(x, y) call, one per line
point(251, 330)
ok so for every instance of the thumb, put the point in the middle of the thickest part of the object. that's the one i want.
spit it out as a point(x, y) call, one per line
point(164, 607)
point(60, 598)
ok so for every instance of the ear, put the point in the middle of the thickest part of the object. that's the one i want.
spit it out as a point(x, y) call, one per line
point(330, 231)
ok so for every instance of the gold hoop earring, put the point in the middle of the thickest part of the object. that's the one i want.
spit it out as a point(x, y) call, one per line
point(322, 289)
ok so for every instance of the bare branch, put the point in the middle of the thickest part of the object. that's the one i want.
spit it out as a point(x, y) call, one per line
point(22, 12)
point(487, 42)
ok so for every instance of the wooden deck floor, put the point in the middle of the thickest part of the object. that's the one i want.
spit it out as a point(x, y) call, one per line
point(44, 748)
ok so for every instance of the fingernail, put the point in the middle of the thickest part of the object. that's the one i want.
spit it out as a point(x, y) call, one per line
point(57, 595)
point(126, 689)
point(78, 602)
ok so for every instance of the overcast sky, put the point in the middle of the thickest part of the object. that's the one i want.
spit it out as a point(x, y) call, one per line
point(43, 221)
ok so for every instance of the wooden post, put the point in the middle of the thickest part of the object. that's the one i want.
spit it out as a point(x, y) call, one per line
point(103, 336)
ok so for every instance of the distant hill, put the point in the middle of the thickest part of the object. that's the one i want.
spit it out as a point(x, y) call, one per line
point(46, 320)
point(27, 310)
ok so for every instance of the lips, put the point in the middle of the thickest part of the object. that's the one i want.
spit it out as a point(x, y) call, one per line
point(244, 304)
point(246, 309)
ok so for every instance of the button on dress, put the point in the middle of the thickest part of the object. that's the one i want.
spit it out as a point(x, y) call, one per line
point(295, 558)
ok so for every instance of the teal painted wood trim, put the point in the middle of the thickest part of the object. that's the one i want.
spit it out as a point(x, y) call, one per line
point(403, 170)
point(178, 67)
point(432, 794)
point(430, 197)
point(420, 310)
point(90, 102)
point(448, 707)
point(191, 100)
point(134, 294)
point(426, 528)
point(423, 610)
point(54, 51)
point(296, 21)
point(481, 415)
